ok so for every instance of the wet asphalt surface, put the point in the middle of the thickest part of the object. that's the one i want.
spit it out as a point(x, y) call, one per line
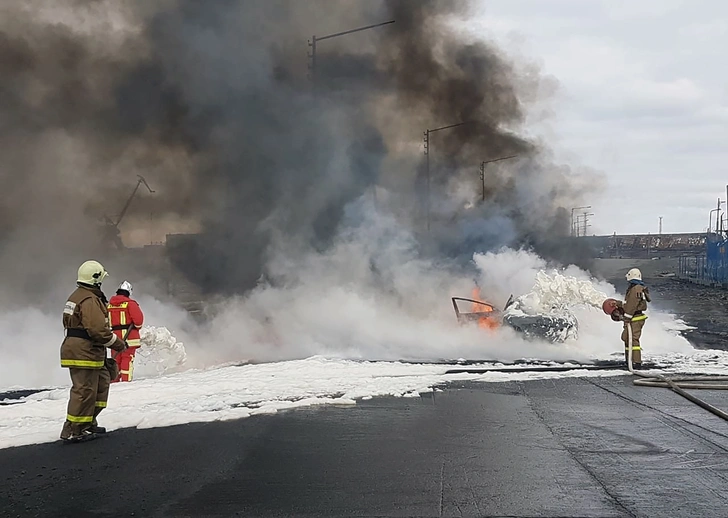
point(596, 447)
point(549, 448)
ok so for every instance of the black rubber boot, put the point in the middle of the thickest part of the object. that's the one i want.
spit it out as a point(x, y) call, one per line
point(86, 435)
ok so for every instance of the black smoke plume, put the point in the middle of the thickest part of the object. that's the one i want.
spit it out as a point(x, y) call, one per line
point(213, 103)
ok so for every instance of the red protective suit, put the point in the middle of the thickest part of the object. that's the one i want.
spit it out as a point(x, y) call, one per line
point(124, 312)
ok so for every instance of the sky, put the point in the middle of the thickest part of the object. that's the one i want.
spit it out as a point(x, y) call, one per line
point(641, 96)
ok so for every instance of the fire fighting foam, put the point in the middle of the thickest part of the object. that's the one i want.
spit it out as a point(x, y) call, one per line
point(160, 352)
point(237, 392)
point(558, 290)
point(551, 303)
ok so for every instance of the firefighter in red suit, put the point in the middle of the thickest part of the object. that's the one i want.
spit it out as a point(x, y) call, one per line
point(125, 312)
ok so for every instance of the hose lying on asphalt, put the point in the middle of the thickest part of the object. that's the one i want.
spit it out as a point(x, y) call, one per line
point(677, 384)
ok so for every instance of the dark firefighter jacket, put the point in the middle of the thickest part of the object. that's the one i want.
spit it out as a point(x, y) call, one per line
point(635, 302)
point(88, 333)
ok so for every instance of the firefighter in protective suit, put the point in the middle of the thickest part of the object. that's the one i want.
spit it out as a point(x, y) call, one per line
point(634, 307)
point(83, 352)
point(126, 319)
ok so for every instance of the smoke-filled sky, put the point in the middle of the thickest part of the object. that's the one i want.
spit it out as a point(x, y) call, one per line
point(307, 196)
point(641, 96)
point(211, 103)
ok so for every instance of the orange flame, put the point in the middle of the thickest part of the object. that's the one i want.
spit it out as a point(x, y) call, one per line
point(484, 322)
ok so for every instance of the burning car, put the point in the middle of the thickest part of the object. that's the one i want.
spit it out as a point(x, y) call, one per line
point(556, 325)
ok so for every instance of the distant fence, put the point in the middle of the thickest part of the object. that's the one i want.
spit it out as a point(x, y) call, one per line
point(647, 246)
point(711, 267)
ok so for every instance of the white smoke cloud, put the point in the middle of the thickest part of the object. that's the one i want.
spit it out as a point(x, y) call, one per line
point(372, 296)
point(369, 296)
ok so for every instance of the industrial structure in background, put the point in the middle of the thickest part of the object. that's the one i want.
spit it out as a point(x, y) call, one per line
point(112, 234)
point(647, 246)
point(710, 267)
point(580, 225)
point(702, 256)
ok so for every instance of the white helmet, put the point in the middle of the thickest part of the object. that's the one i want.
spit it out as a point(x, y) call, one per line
point(634, 274)
point(92, 272)
point(126, 286)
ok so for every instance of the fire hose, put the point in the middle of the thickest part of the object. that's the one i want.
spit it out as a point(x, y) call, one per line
point(677, 384)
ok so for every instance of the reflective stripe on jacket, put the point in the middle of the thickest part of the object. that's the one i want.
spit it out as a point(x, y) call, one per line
point(635, 302)
point(124, 312)
point(85, 311)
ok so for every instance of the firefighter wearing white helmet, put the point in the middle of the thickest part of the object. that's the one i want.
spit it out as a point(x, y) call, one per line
point(634, 307)
point(126, 320)
point(83, 352)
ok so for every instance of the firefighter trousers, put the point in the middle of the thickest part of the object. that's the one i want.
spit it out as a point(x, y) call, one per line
point(89, 395)
point(125, 360)
point(636, 334)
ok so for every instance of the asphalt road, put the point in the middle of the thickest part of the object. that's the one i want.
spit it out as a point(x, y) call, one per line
point(562, 448)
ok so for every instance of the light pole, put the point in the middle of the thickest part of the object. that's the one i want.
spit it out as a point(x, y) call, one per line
point(574, 229)
point(427, 162)
point(586, 221)
point(315, 39)
point(710, 223)
point(482, 170)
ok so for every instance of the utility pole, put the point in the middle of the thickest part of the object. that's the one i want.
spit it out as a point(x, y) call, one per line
point(482, 179)
point(575, 224)
point(586, 221)
point(427, 179)
point(482, 170)
point(314, 40)
point(427, 164)
point(660, 225)
point(312, 60)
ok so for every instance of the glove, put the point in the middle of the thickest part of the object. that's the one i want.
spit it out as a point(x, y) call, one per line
point(617, 315)
point(112, 367)
point(119, 345)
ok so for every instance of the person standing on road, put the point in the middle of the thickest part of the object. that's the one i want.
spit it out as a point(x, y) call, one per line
point(83, 353)
point(634, 307)
point(126, 315)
